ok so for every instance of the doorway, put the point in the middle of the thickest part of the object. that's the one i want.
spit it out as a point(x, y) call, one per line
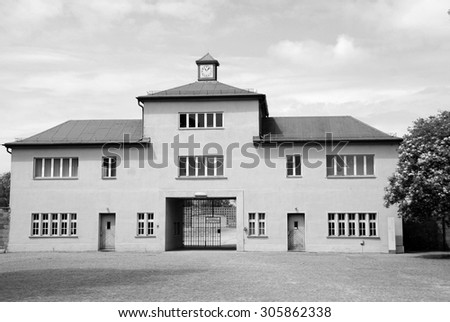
point(296, 232)
point(201, 223)
point(107, 232)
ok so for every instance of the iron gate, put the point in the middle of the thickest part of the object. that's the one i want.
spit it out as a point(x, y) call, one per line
point(201, 227)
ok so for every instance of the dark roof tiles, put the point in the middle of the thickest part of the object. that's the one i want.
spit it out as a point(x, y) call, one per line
point(86, 132)
point(207, 59)
point(309, 128)
point(274, 129)
point(201, 88)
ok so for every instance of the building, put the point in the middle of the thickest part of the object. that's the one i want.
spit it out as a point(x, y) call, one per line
point(162, 182)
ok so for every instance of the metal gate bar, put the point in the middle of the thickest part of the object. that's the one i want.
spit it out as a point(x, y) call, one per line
point(201, 228)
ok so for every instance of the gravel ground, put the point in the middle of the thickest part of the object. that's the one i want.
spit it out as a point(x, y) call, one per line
point(224, 276)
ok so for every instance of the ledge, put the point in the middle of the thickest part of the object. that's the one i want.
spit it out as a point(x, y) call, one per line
point(200, 128)
point(201, 178)
point(257, 237)
point(106, 178)
point(351, 177)
point(294, 177)
point(144, 237)
point(353, 237)
point(52, 237)
point(39, 179)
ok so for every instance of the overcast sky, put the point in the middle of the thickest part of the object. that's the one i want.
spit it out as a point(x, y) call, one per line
point(384, 62)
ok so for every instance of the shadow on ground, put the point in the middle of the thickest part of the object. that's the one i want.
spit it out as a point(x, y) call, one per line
point(434, 256)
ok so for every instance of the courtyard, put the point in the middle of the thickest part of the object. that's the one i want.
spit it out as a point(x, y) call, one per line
point(212, 275)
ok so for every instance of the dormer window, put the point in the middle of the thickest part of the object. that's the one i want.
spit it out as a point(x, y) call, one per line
point(201, 120)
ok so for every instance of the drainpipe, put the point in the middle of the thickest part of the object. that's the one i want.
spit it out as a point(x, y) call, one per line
point(244, 232)
point(142, 117)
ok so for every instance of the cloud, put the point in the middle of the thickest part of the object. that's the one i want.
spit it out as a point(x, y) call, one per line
point(313, 52)
point(423, 17)
point(35, 56)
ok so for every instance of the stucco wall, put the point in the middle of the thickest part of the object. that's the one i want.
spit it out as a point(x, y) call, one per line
point(140, 187)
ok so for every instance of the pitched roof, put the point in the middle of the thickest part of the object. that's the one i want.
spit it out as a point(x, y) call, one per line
point(310, 128)
point(207, 59)
point(86, 132)
point(201, 88)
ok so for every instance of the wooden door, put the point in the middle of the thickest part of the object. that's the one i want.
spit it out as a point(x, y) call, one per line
point(296, 232)
point(107, 231)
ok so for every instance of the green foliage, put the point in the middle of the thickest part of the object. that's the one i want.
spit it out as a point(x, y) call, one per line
point(5, 184)
point(420, 185)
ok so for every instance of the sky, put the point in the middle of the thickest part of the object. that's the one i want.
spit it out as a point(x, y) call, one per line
point(384, 62)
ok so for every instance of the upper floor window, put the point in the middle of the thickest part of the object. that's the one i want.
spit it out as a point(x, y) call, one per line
point(293, 165)
point(109, 167)
point(350, 165)
point(201, 166)
point(201, 120)
point(55, 168)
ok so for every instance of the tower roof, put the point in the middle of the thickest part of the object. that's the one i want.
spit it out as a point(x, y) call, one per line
point(207, 59)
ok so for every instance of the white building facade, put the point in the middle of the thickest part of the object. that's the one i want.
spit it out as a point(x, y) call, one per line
point(160, 183)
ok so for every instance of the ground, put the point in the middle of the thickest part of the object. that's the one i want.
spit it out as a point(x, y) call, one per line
point(224, 276)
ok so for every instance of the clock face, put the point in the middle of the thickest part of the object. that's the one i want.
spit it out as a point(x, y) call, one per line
point(206, 71)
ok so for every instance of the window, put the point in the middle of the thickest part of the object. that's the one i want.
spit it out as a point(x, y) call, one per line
point(201, 166)
point(53, 225)
point(201, 120)
point(341, 224)
point(146, 224)
point(73, 224)
point(331, 225)
point(362, 224)
point(64, 224)
point(45, 224)
point(352, 224)
point(350, 165)
point(109, 167)
point(35, 225)
point(372, 225)
point(55, 168)
point(293, 165)
point(256, 224)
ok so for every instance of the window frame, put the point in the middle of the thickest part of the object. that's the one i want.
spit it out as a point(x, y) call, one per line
point(38, 227)
point(257, 225)
point(109, 169)
point(201, 163)
point(148, 223)
point(351, 224)
point(296, 168)
point(205, 120)
point(333, 165)
point(43, 167)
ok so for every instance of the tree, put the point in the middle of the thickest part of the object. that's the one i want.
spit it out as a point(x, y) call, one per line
point(420, 185)
point(5, 184)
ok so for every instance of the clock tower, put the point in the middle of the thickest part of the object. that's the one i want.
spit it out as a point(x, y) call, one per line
point(207, 68)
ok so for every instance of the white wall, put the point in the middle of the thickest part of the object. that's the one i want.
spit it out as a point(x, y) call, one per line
point(259, 189)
